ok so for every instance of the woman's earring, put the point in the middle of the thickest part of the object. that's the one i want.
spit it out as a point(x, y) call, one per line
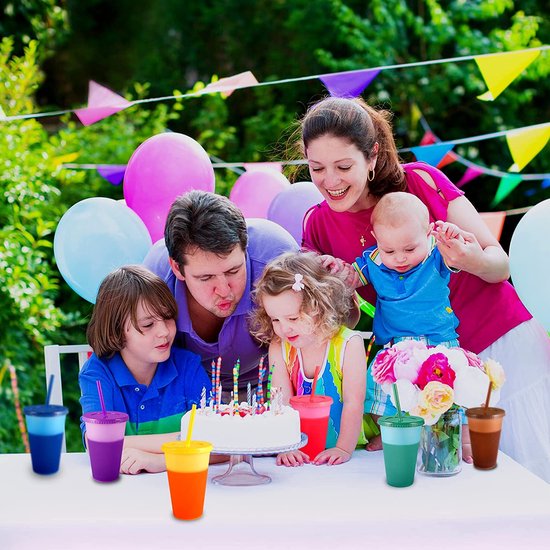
point(370, 175)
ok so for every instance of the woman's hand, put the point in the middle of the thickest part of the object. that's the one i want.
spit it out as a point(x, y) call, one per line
point(465, 253)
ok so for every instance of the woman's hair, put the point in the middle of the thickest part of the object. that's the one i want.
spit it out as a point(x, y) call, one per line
point(117, 301)
point(363, 126)
point(326, 300)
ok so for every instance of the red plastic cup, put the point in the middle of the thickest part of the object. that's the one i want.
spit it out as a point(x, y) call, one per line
point(314, 413)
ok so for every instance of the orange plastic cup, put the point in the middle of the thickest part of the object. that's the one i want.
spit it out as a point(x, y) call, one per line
point(187, 468)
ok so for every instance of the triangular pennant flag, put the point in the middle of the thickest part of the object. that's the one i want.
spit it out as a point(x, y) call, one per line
point(102, 103)
point(449, 158)
point(500, 69)
point(428, 138)
point(256, 166)
point(471, 173)
point(416, 115)
point(69, 157)
point(526, 144)
point(229, 84)
point(494, 221)
point(505, 187)
point(432, 154)
point(348, 84)
point(545, 183)
point(113, 173)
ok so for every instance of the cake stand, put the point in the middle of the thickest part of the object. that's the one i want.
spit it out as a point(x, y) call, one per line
point(241, 471)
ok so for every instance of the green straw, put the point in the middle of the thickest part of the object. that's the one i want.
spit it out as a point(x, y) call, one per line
point(397, 403)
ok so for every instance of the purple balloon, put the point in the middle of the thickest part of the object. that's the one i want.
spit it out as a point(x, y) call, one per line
point(288, 208)
point(254, 191)
point(160, 169)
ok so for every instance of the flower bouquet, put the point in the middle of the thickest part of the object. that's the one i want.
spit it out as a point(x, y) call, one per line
point(434, 382)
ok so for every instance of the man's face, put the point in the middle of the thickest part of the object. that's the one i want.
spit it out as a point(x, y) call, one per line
point(216, 283)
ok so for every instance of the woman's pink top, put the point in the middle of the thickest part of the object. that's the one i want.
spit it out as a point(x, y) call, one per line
point(486, 311)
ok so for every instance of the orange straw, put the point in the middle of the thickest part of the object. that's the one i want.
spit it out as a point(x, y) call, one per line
point(315, 377)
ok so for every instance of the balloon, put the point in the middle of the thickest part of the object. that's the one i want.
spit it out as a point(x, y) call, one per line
point(94, 237)
point(530, 261)
point(288, 207)
point(160, 169)
point(254, 191)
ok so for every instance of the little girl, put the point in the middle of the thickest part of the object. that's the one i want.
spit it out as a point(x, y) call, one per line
point(301, 312)
point(131, 332)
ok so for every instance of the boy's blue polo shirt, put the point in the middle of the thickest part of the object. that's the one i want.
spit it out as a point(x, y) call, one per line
point(153, 409)
point(414, 303)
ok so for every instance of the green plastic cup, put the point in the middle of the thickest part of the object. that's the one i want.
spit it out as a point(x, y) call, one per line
point(400, 439)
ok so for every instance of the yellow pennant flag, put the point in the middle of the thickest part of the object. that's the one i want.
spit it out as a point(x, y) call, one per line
point(416, 115)
point(69, 157)
point(526, 144)
point(500, 69)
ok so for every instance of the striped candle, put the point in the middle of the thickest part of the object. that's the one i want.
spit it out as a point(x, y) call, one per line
point(260, 389)
point(236, 369)
point(218, 383)
point(213, 392)
point(269, 377)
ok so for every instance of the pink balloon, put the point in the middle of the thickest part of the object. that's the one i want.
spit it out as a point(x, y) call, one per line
point(254, 191)
point(160, 169)
point(288, 207)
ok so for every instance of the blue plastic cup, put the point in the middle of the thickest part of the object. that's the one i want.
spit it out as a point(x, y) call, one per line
point(46, 426)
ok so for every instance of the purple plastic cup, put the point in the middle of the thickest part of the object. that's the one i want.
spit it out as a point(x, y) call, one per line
point(105, 439)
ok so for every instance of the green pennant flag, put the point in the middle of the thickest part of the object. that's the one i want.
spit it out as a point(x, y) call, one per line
point(506, 186)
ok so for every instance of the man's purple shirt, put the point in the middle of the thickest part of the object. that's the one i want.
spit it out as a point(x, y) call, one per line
point(266, 240)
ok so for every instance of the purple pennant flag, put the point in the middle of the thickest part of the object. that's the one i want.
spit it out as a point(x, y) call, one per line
point(350, 84)
point(113, 173)
point(432, 154)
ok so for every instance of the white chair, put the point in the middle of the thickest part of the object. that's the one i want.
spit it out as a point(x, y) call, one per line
point(52, 361)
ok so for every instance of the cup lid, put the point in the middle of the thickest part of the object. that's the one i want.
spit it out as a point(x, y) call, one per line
point(482, 412)
point(310, 400)
point(401, 421)
point(181, 447)
point(45, 410)
point(109, 417)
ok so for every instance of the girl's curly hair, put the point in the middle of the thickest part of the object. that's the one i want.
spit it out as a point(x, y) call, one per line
point(326, 299)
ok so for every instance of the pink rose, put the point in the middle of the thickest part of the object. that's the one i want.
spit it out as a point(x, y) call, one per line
point(436, 368)
point(382, 368)
point(473, 359)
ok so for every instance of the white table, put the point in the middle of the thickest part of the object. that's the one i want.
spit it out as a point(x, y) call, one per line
point(347, 506)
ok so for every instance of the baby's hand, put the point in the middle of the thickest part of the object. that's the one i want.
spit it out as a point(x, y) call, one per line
point(135, 461)
point(292, 458)
point(331, 264)
point(331, 457)
point(445, 231)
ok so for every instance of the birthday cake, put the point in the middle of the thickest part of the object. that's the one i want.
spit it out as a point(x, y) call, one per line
point(245, 428)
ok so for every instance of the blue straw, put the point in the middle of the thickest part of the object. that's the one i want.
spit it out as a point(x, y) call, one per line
point(50, 386)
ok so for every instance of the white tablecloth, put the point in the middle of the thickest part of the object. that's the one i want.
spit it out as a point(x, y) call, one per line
point(347, 506)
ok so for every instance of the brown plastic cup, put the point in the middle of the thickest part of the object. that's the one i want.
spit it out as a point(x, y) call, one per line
point(485, 425)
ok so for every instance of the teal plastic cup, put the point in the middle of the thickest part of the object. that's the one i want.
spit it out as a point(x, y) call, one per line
point(400, 440)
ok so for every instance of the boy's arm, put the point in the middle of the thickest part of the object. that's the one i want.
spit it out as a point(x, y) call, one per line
point(354, 371)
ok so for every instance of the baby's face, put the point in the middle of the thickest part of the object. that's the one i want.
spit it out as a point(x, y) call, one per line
point(402, 248)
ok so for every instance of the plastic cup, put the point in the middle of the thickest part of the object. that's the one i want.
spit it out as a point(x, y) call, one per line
point(105, 439)
point(400, 439)
point(46, 426)
point(485, 425)
point(187, 467)
point(314, 413)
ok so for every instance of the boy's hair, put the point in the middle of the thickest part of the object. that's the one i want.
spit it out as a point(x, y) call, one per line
point(395, 209)
point(326, 299)
point(117, 301)
point(203, 220)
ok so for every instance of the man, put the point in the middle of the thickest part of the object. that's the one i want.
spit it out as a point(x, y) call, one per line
point(210, 259)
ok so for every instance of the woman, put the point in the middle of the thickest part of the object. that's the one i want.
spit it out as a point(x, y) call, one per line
point(353, 161)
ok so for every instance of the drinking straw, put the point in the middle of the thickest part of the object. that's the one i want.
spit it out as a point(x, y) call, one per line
point(397, 403)
point(488, 395)
point(50, 387)
point(100, 392)
point(191, 423)
point(315, 377)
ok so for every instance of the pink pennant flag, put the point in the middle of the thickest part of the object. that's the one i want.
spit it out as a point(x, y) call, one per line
point(428, 138)
point(471, 173)
point(231, 83)
point(113, 173)
point(102, 103)
point(494, 221)
point(255, 166)
point(348, 84)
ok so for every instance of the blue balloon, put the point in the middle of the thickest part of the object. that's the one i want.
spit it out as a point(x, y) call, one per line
point(289, 206)
point(530, 261)
point(94, 237)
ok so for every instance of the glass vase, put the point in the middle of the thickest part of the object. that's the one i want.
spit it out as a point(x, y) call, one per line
point(441, 445)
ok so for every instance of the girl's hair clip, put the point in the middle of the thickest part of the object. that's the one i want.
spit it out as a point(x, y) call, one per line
point(298, 285)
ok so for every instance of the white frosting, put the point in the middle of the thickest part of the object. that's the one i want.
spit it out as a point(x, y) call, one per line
point(241, 433)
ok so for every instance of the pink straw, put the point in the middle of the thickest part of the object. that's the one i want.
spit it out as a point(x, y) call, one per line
point(100, 392)
point(315, 377)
